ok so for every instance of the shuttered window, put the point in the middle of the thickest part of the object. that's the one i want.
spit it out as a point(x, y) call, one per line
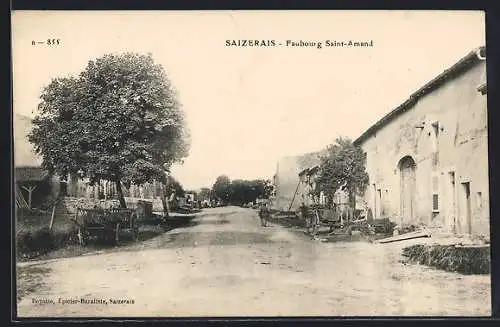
point(435, 202)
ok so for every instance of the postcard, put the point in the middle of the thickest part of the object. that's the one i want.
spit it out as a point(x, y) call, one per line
point(250, 164)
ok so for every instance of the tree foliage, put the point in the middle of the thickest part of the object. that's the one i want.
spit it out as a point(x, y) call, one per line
point(118, 120)
point(343, 167)
point(222, 188)
point(242, 191)
point(174, 186)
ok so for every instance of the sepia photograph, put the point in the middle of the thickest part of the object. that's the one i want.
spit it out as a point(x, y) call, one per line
point(250, 164)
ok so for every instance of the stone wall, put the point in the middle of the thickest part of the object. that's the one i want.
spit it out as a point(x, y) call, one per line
point(68, 205)
point(132, 203)
point(445, 134)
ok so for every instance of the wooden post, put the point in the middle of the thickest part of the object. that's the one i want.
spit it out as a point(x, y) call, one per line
point(30, 190)
point(52, 217)
point(294, 194)
point(164, 200)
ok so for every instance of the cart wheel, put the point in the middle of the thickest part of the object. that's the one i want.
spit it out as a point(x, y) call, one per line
point(117, 235)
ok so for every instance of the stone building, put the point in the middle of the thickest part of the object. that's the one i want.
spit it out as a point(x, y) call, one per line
point(427, 159)
point(290, 191)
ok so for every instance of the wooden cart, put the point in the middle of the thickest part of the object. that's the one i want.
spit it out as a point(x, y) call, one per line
point(344, 222)
point(107, 225)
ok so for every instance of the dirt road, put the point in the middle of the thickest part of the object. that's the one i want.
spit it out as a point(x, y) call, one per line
point(226, 264)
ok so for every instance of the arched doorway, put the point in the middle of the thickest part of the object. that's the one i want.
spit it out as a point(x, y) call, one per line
point(407, 168)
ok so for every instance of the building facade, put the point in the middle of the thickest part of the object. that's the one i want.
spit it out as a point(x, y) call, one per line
point(427, 160)
point(290, 190)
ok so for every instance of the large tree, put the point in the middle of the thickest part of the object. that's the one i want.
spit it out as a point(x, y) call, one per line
point(118, 120)
point(222, 188)
point(241, 191)
point(342, 168)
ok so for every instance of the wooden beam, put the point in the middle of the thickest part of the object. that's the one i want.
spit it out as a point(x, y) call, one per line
point(52, 217)
point(294, 194)
point(30, 191)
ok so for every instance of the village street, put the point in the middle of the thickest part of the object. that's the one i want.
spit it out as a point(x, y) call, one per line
point(226, 264)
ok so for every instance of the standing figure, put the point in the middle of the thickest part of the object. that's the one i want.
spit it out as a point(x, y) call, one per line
point(264, 214)
point(305, 216)
point(315, 222)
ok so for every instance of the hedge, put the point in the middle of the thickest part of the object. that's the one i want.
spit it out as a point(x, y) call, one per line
point(34, 243)
point(465, 260)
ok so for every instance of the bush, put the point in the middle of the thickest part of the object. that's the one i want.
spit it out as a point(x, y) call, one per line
point(34, 243)
point(25, 212)
point(466, 260)
point(383, 226)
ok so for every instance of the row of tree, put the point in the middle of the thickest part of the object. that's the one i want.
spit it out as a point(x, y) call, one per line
point(239, 191)
point(342, 168)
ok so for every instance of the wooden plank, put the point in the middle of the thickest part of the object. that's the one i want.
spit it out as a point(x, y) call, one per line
point(403, 237)
point(294, 194)
point(52, 217)
point(20, 198)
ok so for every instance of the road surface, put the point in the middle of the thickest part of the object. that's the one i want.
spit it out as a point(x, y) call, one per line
point(226, 264)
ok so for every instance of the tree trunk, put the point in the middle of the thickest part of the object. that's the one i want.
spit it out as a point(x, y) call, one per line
point(330, 201)
point(164, 200)
point(119, 192)
point(352, 201)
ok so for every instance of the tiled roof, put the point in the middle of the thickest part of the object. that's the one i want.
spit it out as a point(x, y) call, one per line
point(30, 174)
point(482, 88)
point(471, 59)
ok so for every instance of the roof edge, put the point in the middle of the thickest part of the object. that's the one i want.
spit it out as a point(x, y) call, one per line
point(471, 59)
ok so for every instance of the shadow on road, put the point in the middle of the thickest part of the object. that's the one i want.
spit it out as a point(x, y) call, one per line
point(211, 222)
point(30, 280)
point(188, 239)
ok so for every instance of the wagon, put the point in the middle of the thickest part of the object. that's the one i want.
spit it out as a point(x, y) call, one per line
point(107, 225)
point(346, 221)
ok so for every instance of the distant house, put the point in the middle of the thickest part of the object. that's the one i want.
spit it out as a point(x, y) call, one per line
point(31, 181)
point(427, 159)
point(290, 191)
point(33, 185)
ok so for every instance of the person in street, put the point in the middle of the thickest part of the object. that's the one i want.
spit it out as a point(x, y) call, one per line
point(304, 216)
point(315, 223)
point(264, 214)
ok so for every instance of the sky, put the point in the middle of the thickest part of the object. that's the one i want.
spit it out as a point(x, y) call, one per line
point(246, 107)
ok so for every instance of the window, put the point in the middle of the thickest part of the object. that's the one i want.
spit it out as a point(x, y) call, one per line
point(435, 203)
point(435, 143)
